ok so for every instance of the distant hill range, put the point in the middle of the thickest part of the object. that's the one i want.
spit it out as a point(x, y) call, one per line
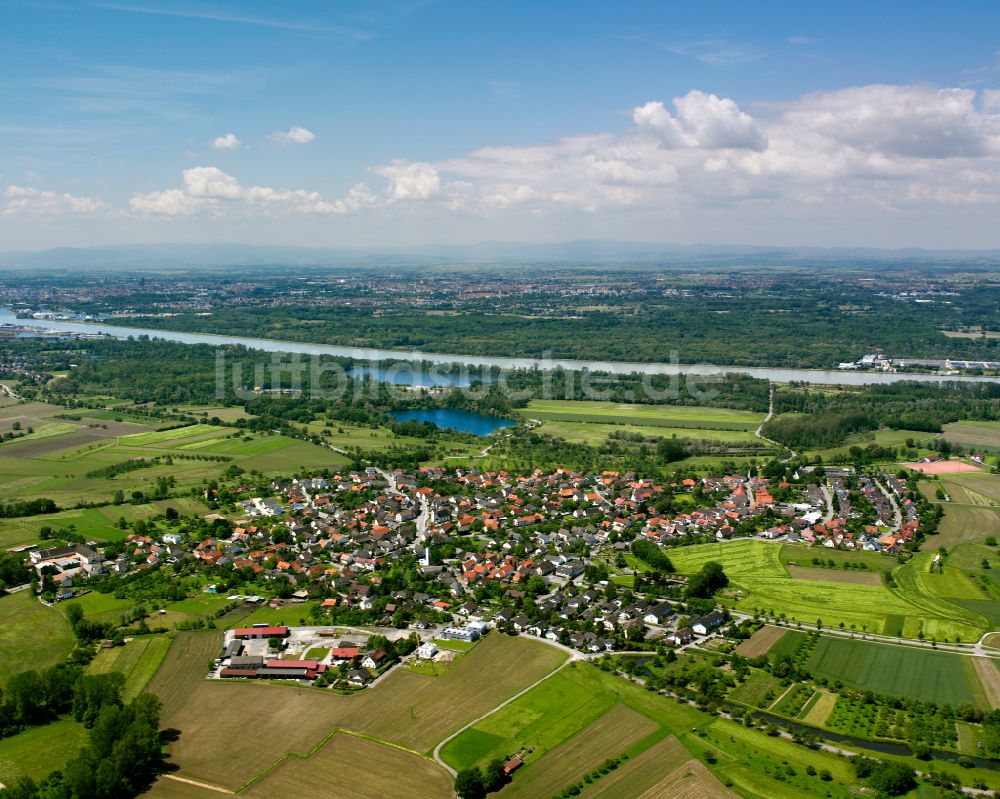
point(583, 253)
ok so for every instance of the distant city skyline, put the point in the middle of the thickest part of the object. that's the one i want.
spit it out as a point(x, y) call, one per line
point(410, 123)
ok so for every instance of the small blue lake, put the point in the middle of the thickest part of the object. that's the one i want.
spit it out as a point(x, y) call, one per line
point(478, 424)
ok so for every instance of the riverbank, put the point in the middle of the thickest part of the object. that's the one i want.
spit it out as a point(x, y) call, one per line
point(777, 375)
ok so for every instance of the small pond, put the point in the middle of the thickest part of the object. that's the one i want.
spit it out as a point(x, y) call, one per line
point(478, 424)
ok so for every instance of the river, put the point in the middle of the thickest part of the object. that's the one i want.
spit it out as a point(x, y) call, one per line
point(778, 375)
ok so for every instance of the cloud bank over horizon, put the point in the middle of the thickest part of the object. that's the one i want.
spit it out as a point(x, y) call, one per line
point(896, 151)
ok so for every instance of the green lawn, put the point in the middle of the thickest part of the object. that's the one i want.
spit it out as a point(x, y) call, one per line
point(32, 636)
point(101, 607)
point(288, 615)
point(38, 751)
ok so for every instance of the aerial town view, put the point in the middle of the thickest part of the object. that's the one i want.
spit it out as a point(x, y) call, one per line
point(451, 400)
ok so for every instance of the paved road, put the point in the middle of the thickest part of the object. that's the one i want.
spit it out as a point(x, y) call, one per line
point(896, 512)
point(828, 516)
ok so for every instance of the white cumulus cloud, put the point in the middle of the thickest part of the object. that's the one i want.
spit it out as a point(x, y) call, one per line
point(210, 190)
point(28, 200)
point(294, 135)
point(411, 181)
point(227, 142)
point(702, 121)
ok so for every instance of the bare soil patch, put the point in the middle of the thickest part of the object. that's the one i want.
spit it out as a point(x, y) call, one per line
point(640, 773)
point(350, 766)
point(760, 642)
point(835, 575)
point(690, 781)
point(989, 676)
point(942, 467)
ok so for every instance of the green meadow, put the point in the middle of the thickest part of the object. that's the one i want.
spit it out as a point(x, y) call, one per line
point(760, 581)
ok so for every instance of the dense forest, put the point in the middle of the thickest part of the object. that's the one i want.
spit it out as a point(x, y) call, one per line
point(825, 417)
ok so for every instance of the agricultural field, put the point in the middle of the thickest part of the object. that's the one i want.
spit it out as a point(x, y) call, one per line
point(32, 636)
point(609, 736)
point(759, 581)
point(38, 751)
point(168, 787)
point(817, 710)
point(407, 709)
point(552, 731)
point(760, 689)
point(549, 714)
point(595, 433)
point(963, 523)
point(66, 468)
point(760, 642)
point(157, 437)
point(333, 770)
point(834, 575)
point(982, 488)
point(982, 435)
point(891, 670)
point(673, 416)
point(642, 773)
point(138, 660)
point(988, 674)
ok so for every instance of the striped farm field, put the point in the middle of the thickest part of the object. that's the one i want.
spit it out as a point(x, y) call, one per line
point(607, 737)
point(835, 575)
point(817, 710)
point(641, 773)
point(408, 710)
point(168, 786)
point(759, 581)
point(893, 670)
point(977, 434)
point(989, 676)
point(691, 780)
point(650, 415)
point(138, 660)
point(596, 432)
point(173, 434)
point(350, 766)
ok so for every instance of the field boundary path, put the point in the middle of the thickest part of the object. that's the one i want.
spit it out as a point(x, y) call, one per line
point(575, 656)
point(765, 420)
point(197, 784)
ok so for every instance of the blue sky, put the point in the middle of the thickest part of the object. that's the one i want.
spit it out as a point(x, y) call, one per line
point(437, 122)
